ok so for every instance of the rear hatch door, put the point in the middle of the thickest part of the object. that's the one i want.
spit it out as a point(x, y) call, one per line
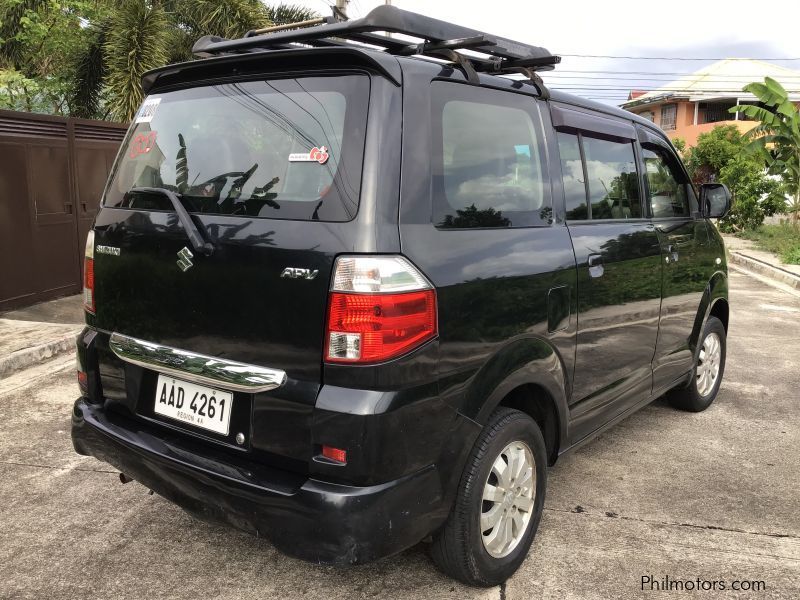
point(269, 172)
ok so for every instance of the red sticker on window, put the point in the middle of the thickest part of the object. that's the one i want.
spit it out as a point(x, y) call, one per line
point(319, 155)
point(143, 143)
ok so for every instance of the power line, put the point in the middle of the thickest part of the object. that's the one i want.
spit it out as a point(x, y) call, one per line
point(733, 92)
point(655, 73)
point(667, 80)
point(679, 58)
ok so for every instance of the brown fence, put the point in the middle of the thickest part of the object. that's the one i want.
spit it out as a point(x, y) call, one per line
point(52, 173)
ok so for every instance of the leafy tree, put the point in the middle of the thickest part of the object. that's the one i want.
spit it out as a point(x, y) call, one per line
point(86, 57)
point(720, 155)
point(776, 139)
point(680, 146)
point(714, 150)
point(39, 44)
point(283, 14)
point(136, 42)
point(753, 195)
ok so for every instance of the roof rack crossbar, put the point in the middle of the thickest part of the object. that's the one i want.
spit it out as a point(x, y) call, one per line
point(386, 18)
point(461, 43)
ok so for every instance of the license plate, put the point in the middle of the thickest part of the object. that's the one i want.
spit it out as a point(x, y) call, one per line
point(192, 404)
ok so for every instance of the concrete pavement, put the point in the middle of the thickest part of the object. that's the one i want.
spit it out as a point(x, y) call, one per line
point(713, 496)
point(744, 254)
point(37, 333)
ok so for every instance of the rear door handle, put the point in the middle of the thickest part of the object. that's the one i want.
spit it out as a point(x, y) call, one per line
point(596, 268)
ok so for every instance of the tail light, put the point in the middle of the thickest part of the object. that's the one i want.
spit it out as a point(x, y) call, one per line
point(83, 382)
point(88, 274)
point(380, 307)
point(335, 454)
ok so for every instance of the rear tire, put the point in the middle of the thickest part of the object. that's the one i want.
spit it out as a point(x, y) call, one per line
point(709, 366)
point(499, 503)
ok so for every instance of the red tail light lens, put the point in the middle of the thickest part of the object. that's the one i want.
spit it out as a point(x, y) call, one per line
point(380, 308)
point(335, 454)
point(88, 274)
point(83, 383)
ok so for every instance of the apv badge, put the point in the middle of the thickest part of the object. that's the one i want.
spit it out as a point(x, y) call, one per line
point(297, 273)
point(185, 257)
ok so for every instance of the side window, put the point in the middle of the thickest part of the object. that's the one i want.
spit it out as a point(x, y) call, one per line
point(613, 180)
point(488, 159)
point(666, 184)
point(572, 174)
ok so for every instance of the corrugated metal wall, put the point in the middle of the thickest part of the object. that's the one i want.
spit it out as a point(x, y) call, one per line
point(52, 173)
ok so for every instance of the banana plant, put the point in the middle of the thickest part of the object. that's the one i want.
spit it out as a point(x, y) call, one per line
point(776, 139)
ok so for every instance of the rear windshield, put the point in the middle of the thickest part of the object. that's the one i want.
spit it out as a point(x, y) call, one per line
point(280, 149)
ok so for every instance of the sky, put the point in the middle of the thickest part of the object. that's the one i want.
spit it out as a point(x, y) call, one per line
point(676, 29)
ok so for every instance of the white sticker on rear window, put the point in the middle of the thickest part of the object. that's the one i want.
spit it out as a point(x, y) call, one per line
point(148, 110)
point(319, 155)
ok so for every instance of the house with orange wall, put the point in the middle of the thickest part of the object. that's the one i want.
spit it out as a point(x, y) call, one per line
point(697, 103)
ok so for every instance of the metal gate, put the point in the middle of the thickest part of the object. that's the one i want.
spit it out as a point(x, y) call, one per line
point(52, 173)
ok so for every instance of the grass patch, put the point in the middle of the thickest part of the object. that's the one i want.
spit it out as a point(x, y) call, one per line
point(783, 240)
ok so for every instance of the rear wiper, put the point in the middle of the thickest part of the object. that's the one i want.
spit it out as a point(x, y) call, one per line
point(192, 232)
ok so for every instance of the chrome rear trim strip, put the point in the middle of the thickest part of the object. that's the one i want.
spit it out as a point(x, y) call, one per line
point(199, 368)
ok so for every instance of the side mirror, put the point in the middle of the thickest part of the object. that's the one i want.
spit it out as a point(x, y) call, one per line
point(715, 200)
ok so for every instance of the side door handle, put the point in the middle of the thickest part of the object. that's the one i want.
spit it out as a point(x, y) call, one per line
point(596, 268)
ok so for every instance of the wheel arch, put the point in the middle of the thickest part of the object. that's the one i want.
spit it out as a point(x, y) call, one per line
point(527, 374)
point(713, 303)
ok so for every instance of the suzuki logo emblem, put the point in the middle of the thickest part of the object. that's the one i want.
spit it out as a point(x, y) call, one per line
point(185, 257)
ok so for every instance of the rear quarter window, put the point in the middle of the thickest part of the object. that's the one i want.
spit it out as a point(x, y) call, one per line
point(488, 159)
point(280, 148)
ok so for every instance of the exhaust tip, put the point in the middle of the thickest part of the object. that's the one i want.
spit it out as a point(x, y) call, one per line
point(124, 478)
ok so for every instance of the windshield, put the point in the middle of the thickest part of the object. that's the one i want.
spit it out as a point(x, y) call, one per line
point(281, 148)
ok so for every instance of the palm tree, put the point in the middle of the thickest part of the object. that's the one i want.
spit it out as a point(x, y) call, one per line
point(138, 35)
point(777, 137)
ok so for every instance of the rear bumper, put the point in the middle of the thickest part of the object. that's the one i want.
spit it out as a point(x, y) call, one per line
point(310, 519)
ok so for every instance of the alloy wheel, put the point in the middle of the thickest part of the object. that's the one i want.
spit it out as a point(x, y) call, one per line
point(708, 364)
point(508, 498)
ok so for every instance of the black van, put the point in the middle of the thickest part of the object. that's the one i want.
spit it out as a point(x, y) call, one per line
point(351, 292)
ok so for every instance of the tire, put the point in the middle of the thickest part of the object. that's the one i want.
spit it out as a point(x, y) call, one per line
point(459, 549)
point(703, 387)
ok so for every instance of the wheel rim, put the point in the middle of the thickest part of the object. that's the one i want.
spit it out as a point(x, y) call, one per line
point(508, 499)
point(708, 364)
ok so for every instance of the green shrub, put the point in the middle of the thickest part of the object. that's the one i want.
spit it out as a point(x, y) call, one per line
point(783, 240)
point(791, 256)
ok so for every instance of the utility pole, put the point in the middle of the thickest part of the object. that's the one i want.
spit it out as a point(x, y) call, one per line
point(341, 8)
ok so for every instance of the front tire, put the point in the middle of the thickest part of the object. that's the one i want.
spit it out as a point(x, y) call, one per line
point(499, 503)
point(707, 373)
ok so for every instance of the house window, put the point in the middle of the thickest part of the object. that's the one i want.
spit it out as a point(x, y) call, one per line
point(649, 115)
point(715, 112)
point(669, 114)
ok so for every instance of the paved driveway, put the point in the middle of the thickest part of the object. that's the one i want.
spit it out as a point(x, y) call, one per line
point(714, 496)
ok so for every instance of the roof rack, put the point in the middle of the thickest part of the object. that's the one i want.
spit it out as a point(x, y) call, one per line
point(438, 39)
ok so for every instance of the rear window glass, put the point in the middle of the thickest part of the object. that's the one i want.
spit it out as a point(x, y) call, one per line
point(281, 149)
